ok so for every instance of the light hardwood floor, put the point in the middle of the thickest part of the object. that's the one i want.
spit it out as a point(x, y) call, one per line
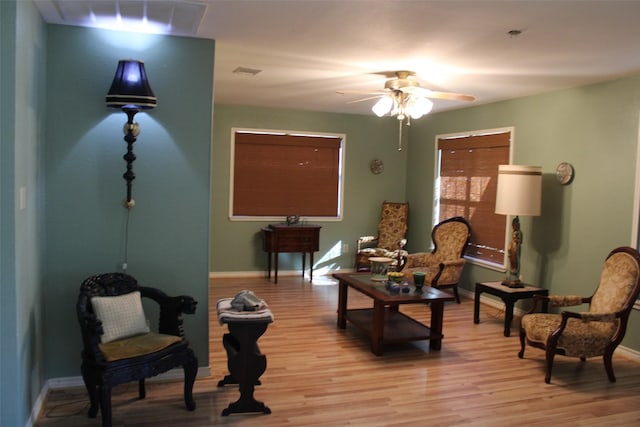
point(318, 375)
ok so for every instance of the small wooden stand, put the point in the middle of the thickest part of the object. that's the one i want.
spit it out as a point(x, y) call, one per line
point(245, 361)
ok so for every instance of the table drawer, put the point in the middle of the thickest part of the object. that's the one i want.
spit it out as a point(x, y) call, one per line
point(297, 243)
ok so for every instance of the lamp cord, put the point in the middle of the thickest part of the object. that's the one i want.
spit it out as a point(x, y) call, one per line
point(126, 240)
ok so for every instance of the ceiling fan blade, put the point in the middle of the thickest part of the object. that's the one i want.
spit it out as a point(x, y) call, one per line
point(365, 99)
point(360, 92)
point(421, 91)
point(450, 95)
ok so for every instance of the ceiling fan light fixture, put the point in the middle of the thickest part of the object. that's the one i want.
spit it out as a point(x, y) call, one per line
point(418, 106)
point(383, 106)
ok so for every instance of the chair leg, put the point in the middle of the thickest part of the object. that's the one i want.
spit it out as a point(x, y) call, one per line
point(608, 365)
point(105, 404)
point(550, 354)
point(92, 389)
point(523, 337)
point(455, 292)
point(142, 391)
point(190, 371)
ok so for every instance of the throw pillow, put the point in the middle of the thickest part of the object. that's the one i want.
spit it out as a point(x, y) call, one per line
point(122, 316)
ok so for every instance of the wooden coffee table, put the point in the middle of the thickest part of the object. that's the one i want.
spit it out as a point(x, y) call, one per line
point(384, 323)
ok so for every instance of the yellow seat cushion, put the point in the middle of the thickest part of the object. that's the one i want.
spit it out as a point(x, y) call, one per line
point(138, 345)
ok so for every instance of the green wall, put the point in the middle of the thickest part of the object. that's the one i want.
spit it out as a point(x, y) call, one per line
point(236, 245)
point(22, 112)
point(595, 128)
point(85, 219)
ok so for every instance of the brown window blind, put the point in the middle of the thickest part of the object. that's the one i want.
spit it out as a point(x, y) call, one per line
point(468, 182)
point(280, 175)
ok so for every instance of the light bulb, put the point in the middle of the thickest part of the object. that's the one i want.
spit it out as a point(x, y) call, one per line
point(418, 107)
point(383, 106)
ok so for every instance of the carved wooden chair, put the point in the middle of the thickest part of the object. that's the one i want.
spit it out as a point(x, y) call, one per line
point(118, 346)
point(591, 333)
point(443, 265)
point(390, 241)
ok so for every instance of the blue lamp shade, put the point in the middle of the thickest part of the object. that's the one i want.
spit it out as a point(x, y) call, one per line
point(130, 88)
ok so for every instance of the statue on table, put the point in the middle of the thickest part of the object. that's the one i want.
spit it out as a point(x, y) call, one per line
point(514, 251)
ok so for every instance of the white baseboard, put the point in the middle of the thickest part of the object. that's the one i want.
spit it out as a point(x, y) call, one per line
point(281, 273)
point(65, 382)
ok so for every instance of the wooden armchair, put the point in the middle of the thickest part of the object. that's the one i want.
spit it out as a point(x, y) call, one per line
point(118, 345)
point(591, 333)
point(443, 265)
point(390, 241)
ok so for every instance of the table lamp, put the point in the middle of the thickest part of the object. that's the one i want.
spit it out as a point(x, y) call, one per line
point(519, 193)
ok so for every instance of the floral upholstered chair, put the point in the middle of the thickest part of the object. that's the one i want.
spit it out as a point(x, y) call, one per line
point(390, 240)
point(443, 266)
point(591, 333)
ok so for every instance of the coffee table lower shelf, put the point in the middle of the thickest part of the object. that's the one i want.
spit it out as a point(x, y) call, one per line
point(398, 327)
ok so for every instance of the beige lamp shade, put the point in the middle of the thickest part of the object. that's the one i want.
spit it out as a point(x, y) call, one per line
point(519, 190)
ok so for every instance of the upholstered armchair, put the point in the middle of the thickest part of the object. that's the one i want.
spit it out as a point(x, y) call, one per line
point(118, 345)
point(444, 264)
point(596, 331)
point(390, 240)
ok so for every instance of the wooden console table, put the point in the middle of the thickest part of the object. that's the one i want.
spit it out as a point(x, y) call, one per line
point(277, 238)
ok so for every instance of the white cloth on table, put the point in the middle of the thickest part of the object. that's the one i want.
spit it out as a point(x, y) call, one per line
point(227, 314)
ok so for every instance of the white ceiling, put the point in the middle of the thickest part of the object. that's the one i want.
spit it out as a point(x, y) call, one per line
point(309, 49)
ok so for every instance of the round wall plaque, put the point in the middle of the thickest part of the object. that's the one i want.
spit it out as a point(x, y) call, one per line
point(564, 173)
point(376, 166)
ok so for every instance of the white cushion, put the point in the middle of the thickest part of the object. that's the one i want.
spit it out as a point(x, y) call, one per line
point(122, 316)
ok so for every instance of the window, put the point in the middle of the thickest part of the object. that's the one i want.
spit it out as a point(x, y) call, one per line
point(466, 186)
point(276, 174)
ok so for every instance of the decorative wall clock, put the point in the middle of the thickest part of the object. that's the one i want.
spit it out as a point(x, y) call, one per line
point(564, 173)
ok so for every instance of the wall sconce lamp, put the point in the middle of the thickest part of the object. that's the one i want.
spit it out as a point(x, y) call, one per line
point(131, 92)
point(519, 193)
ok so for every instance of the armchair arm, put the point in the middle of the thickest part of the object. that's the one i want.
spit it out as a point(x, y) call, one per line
point(585, 317)
point(171, 310)
point(593, 317)
point(366, 239)
point(420, 259)
point(450, 272)
point(567, 300)
point(559, 301)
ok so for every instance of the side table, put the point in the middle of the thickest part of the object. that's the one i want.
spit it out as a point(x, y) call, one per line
point(509, 296)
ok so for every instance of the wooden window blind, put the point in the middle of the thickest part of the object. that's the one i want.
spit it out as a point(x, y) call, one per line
point(467, 188)
point(280, 175)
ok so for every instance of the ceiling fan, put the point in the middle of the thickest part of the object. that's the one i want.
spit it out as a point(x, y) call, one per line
point(404, 98)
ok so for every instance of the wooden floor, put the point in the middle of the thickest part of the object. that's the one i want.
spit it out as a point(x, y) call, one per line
point(318, 375)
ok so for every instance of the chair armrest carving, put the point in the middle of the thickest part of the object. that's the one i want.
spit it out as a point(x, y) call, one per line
point(91, 328)
point(171, 310)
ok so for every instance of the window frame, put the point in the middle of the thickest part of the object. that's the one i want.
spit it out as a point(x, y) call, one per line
point(263, 218)
point(436, 185)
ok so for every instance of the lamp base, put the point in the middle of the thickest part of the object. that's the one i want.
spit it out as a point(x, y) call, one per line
point(129, 204)
point(513, 283)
